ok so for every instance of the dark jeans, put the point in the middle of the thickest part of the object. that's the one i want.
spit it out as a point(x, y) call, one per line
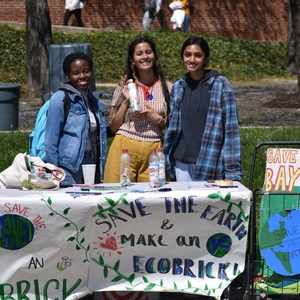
point(77, 13)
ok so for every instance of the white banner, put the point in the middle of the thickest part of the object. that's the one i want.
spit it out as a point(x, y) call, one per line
point(56, 245)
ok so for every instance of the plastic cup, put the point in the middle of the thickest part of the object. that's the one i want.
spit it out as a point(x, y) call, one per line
point(89, 173)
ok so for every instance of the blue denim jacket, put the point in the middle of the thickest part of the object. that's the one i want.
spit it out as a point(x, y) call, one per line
point(65, 143)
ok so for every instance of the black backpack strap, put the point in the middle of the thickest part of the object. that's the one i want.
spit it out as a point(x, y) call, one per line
point(67, 104)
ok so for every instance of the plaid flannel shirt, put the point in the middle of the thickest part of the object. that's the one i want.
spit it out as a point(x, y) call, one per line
point(220, 154)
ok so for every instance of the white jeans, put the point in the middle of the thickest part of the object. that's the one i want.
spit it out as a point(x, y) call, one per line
point(184, 172)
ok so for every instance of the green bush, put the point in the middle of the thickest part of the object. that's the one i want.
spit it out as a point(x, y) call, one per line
point(235, 58)
point(17, 142)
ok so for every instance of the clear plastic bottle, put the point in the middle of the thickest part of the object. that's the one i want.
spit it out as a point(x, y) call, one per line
point(132, 89)
point(125, 168)
point(153, 170)
point(161, 166)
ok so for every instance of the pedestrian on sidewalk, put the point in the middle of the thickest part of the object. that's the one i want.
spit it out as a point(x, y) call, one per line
point(73, 6)
point(152, 9)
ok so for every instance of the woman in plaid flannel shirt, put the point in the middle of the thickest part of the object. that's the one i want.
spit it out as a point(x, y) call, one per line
point(202, 141)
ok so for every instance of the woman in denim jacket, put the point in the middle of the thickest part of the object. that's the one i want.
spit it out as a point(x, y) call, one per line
point(81, 138)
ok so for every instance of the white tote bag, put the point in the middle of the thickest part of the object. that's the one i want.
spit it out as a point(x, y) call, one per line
point(28, 172)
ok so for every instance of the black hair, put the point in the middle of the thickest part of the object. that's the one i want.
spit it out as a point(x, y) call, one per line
point(73, 56)
point(202, 43)
point(132, 71)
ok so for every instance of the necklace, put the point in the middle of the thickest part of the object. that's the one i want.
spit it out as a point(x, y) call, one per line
point(147, 89)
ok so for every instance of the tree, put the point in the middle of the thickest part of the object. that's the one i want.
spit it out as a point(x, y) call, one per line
point(38, 40)
point(294, 8)
point(291, 45)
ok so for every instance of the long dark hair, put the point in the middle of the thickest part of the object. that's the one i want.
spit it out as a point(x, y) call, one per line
point(202, 43)
point(132, 72)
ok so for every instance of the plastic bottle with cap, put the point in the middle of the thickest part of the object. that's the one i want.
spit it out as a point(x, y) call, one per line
point(161, 166)
point(153, 170)
point(132, 89)
point(125, 168)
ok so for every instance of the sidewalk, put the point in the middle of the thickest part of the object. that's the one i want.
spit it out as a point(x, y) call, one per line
point(256, 104)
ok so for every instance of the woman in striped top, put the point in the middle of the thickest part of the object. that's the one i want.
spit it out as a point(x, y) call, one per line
point(139, 132)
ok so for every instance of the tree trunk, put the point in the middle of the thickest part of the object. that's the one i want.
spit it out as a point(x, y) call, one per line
point(291, 45)
point(295, 12)
point(38, 40)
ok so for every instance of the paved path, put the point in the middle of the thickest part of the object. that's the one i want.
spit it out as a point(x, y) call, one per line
point(254, 104)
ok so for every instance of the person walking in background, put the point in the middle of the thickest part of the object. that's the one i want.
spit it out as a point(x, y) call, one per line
point(202, 140)
point(139, 132)
point(73, 6)
point(152, 9)
point(186, 4)
point(178, 15)
point(81, 137)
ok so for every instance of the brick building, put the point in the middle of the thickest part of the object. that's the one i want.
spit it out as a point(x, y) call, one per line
point(260, 20)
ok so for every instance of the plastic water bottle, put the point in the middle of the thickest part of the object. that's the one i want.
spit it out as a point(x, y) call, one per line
point(161, 166)
point(153, 170)
point(125, 168)
point(132, 89)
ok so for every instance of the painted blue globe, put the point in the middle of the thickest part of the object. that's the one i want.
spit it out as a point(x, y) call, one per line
point(219, 244)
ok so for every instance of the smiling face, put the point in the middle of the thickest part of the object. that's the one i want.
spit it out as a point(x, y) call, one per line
point(80, 73)
point(194, 60)
point(143, 57)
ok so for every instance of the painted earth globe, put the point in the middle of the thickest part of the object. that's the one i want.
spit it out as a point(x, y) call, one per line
point(219, 244)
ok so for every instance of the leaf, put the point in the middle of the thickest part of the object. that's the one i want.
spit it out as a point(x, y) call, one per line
point(131, 278)
point(124, 201)
point(100, 208)
point(149, 287)
point(102, 216)
point(110, 201)
point(161, 283)
point(82, 241)
point(51, 214)
point(229, 208)
point(67, 225)
point(175, 286)
point(213, 196)
point(105, 272)
point(116, 279)
point(82, 229)
point(67, 210)
point(49, 201)
point(101, 260)
point(117, 265)
point(196, 290)
point(227, 197)
point(145, 279)
point(220, 285)
point(77, 247)
point(70, 239)
point(206, 287)
point(189, 284)
point(112, 211)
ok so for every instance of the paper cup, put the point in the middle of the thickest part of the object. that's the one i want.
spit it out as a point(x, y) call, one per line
point(89, 173)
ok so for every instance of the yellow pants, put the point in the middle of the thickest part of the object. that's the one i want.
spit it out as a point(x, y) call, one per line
point(139, 152)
